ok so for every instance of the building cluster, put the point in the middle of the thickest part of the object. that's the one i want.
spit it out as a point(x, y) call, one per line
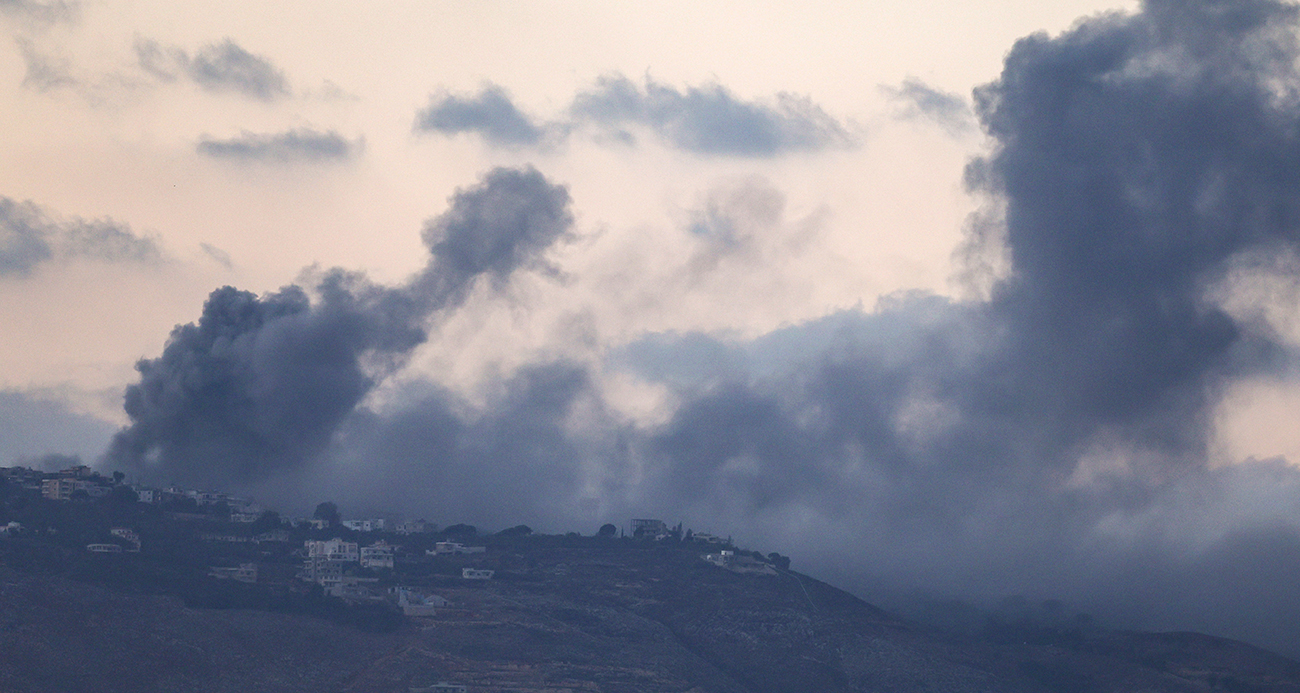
point(375, 525)
point(82, 481)
point(62, 485)
point(329, 563)
point(739, 563)
point(326, 562)
point(452, 548)
point(658, 530)
point(650, 529)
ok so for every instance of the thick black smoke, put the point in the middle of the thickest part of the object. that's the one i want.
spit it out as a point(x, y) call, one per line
point(259, 384)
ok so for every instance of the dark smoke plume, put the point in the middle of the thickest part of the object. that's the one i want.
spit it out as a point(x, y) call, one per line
point(259, 384)
point(1046, 441)
point(1051, 440)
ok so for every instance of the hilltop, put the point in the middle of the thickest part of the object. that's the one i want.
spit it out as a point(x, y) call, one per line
point(555, 613)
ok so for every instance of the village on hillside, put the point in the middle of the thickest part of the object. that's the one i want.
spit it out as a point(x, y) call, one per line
point(95, 523)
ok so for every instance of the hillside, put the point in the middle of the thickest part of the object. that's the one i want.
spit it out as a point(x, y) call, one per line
point(613, 615)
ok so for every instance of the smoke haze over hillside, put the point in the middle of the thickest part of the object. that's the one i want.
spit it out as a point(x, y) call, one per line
point(1050, 430)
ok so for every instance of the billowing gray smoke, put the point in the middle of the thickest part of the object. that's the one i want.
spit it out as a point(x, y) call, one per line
point(259, 384)
point(1053, 440)
point(1050, 440)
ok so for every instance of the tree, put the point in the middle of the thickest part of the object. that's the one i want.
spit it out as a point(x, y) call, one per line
point(266, 522)
point(123, 495)
point(607, 530)
point(776, 559)
point(516, 531)
point(118, 477)
point(461, 530)
point(329, 512)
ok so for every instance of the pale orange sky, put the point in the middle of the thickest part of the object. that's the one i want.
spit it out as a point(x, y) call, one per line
point(856, 224)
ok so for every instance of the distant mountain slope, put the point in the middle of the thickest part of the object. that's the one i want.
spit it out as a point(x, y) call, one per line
point(621, 619)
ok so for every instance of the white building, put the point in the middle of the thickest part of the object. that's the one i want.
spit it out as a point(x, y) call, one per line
point(416, 604)
point(145, 494)
point(649, 528)
point(127, 534)
point(324, 571)
point(740, 564)
point(207, 497)
point(377, 555)
point(373, 525)
point(335, 548)
point(451, 547)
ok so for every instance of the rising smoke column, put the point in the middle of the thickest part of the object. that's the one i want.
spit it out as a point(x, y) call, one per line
point(1138, 157)
point(1054, 439)
point(258, 385)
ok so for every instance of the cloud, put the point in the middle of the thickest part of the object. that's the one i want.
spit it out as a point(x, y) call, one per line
point(490, 113)
point(259, 384)
point(216, 67)
point(31, 236)
point(44, 72)
point(218, 255)
point(918, 100)
point(710, 119)
point(40, 12)
point(299, 145)
point(707, 119)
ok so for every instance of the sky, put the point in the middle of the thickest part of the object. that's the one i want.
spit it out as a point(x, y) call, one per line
point(943, 300)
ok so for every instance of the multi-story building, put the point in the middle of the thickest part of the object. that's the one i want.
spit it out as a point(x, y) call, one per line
point(334, 548)
point(58, 488)
point(649, 528)
point(451, 547)
point(373, 525)
point(377, 555)
point(144, 494)
point(128, 534)
point(324, 571)
point(61, 488)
